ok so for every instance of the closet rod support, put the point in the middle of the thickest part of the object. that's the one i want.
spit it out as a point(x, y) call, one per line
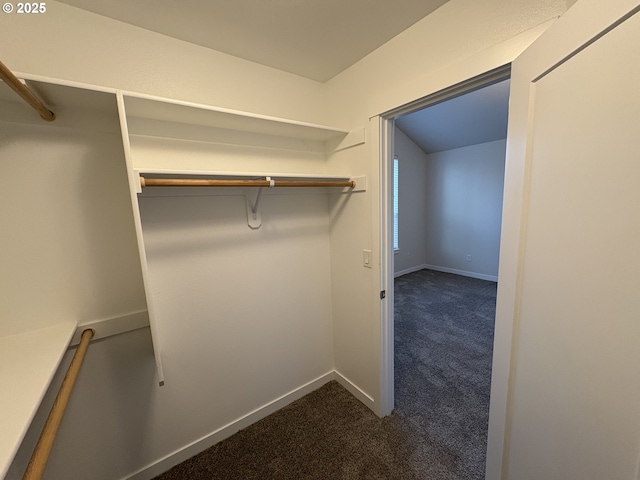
point(254, 208)
point(27, 95)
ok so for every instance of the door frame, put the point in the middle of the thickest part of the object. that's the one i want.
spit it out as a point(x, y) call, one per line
point(595, 19)
point(584, 23)
point(385, 129)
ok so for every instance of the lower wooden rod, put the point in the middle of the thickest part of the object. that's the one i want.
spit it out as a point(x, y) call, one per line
point(17, 86)
point(204, 182)
point(38, 461)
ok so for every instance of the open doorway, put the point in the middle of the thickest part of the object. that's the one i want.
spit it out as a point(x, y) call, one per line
point(445, 157)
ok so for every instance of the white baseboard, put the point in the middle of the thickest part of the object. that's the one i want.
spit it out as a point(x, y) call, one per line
point(179, 456)
point(464, 273)
point(354, 390)
point(112, 326)
point(408, 270)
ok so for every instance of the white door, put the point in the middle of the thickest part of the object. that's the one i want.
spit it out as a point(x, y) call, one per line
point(570, 261)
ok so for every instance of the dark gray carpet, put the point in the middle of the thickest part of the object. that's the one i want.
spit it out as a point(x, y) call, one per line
point(443, 351)
point(444, 337)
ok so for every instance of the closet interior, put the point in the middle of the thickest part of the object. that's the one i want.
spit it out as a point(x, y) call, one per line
point(201, 223)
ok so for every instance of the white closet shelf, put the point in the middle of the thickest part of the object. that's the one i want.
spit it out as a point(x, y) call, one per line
point(176, 112)
point(28, 362)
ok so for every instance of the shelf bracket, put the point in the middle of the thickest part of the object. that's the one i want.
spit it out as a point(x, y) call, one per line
point(254, 218)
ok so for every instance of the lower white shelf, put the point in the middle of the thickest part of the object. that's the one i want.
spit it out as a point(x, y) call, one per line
point(28, 362)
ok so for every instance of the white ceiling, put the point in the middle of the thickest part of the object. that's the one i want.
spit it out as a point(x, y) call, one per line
point(476, 117)
point(316, 39)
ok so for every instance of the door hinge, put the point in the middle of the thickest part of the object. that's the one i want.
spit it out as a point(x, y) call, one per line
point(383, 294)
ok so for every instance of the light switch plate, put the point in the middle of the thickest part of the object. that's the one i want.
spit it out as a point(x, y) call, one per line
point(366, 258)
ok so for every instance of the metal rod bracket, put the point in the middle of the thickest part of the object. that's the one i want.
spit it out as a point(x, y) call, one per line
point(254, 218)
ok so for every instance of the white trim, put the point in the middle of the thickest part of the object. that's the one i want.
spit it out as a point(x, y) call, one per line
point(384, 127)
point(64, 83)
point(354, 390)
point(576, 29)
point(162, 465)
point(396, 202)
point(396, 100)
point(478, 71)
point(406, 271)
point(134, 185)
point(482, 77)
point(112, 326)
point(464, 273)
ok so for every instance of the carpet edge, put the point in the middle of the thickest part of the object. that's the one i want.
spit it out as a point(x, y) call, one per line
point(178, 456)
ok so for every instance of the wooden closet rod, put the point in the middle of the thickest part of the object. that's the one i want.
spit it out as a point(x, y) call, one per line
point(22, 90)
point(189, 182)
point(38, 461)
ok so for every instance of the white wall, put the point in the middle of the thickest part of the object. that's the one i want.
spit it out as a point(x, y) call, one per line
point(460, 40)
point(464, 209)
point(450, 206)
point(412, 204)
point(117, 400)
point(243, 316)
point(68, 244)
point(217, 371)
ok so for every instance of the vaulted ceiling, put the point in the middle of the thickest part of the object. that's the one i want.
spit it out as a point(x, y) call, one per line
point(476, 117)
point(316, 39)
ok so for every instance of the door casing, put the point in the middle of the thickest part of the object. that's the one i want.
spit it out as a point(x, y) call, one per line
point(385, 127)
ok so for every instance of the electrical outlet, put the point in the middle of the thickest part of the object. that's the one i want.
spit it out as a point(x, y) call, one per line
point(468, 257)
